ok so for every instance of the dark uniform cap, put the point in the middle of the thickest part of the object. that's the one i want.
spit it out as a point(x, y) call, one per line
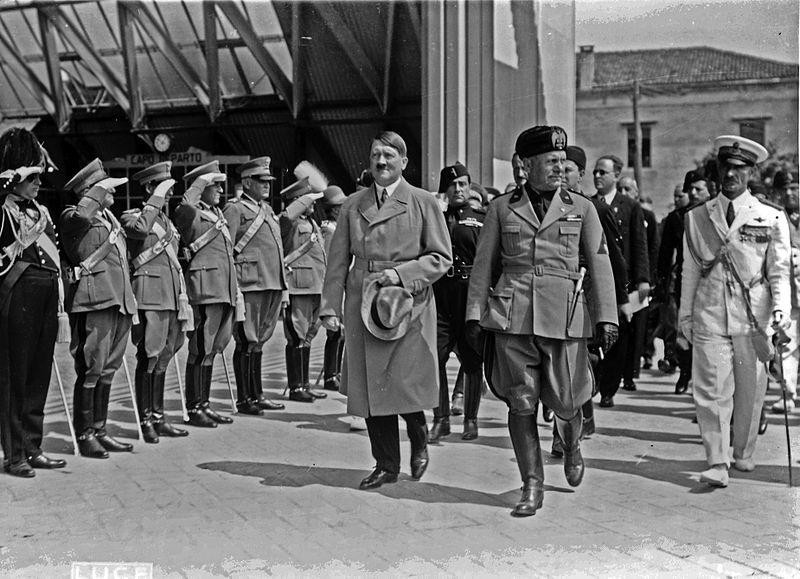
point(297, 189)
point(212, 167)
point(258, 167)
point(540, 139)
point(692, 176)
point(577, 156)
point(736, 150)
point(157, 172)
point(333, 195)
point(91, 174)
point(450, 174)
point(783, 179)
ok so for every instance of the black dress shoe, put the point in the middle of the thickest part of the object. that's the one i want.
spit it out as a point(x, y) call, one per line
point(419, 464)
point(249, 407)
point(457, 404)
point(197, 417)
point(629, 385)
point(315, 393)
point(111, 444)
point(762, 422)
point(439, 430)
point(164, 428)
point(90, 447)
point(573, 467)
point(530, 501)
point(377, 478)
point(42, 461)
point(606, 402)
point(682, 385)
point(21, 469)
point(267, 404)
point(331, 383)
point(218, 418)
point(300, 395)
point(470, 429)
point(149, 432)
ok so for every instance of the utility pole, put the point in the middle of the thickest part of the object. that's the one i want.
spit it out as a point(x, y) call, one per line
point(637, 137)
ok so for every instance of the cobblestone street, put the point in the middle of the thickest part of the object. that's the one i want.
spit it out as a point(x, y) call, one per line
point(277, 495)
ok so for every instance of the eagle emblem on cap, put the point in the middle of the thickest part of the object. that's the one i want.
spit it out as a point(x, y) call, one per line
point(735, 144)
point(453, 171)
point(559, 140)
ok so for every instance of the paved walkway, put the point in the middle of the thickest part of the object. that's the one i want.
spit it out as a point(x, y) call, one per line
point(276, 495)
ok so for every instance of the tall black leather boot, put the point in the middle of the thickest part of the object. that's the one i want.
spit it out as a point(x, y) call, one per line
point(306, 358)
point(206, 373)
point(330, 362)
point(162, 427)
point(144, 400)
point(473, 384)
point(294, 375)
point(245, 404)
point(83, 420)
point(102, 396)
point(457, 401)
point(571, 435)
point(194, 393)
point(525, 440)
point(441, 414)
point(587, 428)
point(256, 386)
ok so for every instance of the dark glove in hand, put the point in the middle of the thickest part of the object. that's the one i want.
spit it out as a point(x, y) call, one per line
point(609, 333)
point(474, 335)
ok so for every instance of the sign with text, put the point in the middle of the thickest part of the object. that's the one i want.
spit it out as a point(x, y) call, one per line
point(81, 570)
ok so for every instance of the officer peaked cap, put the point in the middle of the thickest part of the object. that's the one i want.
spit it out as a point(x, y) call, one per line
point(212, 167)
point(540, 139)
point(297, 189)
point(736, 150)
point(158, 172)
point(91, 174)
point(450, 174)
point(258, 167)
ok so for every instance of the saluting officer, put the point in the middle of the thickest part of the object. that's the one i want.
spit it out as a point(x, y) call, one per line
point(532, 306)
point(258, 255)
point(211, 284)
point(100, 302)
point(305, 261)
point(332, 202)
point(450, 291)
point(160, 291)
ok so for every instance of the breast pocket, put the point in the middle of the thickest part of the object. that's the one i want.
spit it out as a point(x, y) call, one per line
point(302, 277)
point(202, 281)
point(247, 271)
point(510, 233)
point(569, 236)
point(147, 286)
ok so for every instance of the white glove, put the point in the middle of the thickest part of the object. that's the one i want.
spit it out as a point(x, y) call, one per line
point(331, 323)
point(106, 183)
point(783, 322)
point(163, 188)
point(207, 179)
point(315, 196)
point(11, 177)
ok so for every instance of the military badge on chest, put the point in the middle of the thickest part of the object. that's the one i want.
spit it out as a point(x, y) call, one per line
point(754, 234)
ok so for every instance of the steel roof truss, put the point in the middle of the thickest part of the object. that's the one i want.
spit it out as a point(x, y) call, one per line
point(36, 87)
point(50, 51)
point(212, 59)
point(128, 38)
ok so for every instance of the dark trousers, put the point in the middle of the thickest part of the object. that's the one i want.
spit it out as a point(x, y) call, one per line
point(636, 345)
point(611, 367)
point(384, 437)
point(32, 325)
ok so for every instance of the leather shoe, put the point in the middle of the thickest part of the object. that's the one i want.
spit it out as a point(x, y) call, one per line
point(42, 461)
point(164, 428)
point(629, 385)
point(573, 467)
point(213, 415)
point(199, 418)
point(316, 393)
point(762, 422)
point(744, 464)
point(530, 501)
point(682, 385)
point(439, 429)
point(715, 477)
point(606, 402)
point(457, 404)
point(149, 432)
point(89, 446)
point(547, 414)
point(419, 464)
point(377, 478)
point(300, 395)
point(249, 407)
point(267, 404)
point(470, 429)
point(111, 444)
point(21, 469)
point(331, 383)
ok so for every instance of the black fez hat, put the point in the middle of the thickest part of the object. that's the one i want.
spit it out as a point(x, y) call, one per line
point(540, 139)
point(692, 176)
point(450, 174)
point(783, 179)
point(577, 156)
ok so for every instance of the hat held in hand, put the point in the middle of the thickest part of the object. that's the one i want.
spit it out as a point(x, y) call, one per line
point(387, 311)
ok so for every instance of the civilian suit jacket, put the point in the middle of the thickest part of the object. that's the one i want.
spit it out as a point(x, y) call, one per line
point(633, 238)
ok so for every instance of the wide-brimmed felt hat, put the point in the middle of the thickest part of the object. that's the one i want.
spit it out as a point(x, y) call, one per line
point(387, 311)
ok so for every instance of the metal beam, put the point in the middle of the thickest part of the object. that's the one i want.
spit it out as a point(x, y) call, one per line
point(212, 59)
point(171, 52)
point(128, 38)
point(36, 87)
point(350, 47)
point(387, 63)
point(50, 51)
point(265, 60)
point(416, 21)
point(298, 77)
point(108, 77)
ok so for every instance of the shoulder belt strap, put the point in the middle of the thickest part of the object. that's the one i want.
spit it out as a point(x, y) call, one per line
point(245, 239)
point(303, 249)
point(220, 226)
point(149, 254)
point(99, 254)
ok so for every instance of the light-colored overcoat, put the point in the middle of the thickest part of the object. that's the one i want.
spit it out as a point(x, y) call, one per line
point(388, 377)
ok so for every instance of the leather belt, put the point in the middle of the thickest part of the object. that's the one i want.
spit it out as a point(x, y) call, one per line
point(373, 265)
point(462, 271)
point(542, 270)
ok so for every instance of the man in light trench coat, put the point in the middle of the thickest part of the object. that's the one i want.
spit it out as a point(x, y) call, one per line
point(397, 241)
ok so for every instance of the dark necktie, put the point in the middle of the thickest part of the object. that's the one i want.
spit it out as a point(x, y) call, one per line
point(730, 215)
point(382, 200)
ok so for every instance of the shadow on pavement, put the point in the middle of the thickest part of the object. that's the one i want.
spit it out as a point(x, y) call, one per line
point(290, 475)
point(655, 436)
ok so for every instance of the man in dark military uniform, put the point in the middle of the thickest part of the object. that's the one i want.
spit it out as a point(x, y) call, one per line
point(305, 260)
point(532, 305)
point(450, 291)
point(100, 302)
point(258, 255)
point(160, 292)
point(211, 284)
point(334, 342)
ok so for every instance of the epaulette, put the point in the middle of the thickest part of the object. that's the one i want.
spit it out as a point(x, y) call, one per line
point(771, 204)
point(233, 200)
